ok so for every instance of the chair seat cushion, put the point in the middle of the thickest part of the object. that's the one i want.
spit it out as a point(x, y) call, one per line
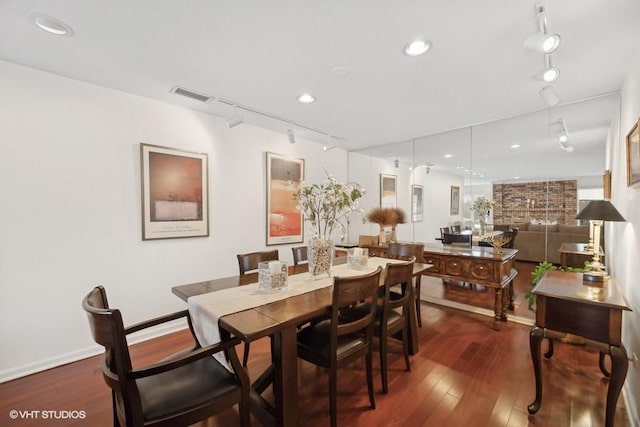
point(315, 339)
point(355, 312)
point(184, 388)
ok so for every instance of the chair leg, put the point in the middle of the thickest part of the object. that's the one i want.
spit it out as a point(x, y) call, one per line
point(245, 356)
point(333, 391)
point(417, 292)
point(405, 345)
point(383, 362)
point(369, 362)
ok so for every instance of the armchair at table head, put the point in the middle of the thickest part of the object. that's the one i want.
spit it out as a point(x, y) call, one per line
point(407, 251)
point(299, 254)
point(182, 389)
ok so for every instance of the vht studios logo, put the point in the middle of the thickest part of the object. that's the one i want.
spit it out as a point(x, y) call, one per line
point(47, 415)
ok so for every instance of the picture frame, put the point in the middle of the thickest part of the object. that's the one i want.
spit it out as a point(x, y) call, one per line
point(455, 201)
point(417, 203)
point(388, 191)
point(285, 223)
point(633, 155)
point(606, 184)
point(175, 193)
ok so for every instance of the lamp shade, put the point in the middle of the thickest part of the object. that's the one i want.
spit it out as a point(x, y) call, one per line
point(600, 210)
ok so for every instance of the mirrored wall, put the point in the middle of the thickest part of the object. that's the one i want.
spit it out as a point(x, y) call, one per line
point(538, 168)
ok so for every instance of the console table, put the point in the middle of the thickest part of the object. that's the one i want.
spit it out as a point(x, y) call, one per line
point(476, 264)
point(575, 255)
point(566, 305)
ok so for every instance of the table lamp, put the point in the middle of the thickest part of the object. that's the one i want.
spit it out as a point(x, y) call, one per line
point(598, 211)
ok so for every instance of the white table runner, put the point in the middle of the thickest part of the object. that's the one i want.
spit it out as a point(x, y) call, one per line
point(207, 309)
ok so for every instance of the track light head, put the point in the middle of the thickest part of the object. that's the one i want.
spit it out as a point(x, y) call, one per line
point(396, 163)
point(542, 43)
point(549, 96)
point(292, 137)
point(547, 74)
point(327, 147)
point(234, 121)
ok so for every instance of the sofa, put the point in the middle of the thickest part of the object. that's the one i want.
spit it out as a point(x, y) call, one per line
point(532, 241)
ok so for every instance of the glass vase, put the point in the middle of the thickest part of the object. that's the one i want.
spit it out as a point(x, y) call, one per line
point(320, 257)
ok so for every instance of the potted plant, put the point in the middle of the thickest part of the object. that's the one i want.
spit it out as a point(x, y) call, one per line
point(326, 206)
point(536, 275)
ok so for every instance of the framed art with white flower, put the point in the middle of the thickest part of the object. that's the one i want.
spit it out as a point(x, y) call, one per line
point(455, 201)
point(284, 221)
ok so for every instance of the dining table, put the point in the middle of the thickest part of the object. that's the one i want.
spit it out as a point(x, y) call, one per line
point(276, 315)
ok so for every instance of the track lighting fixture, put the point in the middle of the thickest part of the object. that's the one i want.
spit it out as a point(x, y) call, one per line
point(563, 136)
point(235, 120)
point(396, 163)
point(542, 42)
point(549, 96)
point(292, 137)
point(548, 73)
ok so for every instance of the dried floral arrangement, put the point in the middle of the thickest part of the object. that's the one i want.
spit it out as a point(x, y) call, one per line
point(386, 216)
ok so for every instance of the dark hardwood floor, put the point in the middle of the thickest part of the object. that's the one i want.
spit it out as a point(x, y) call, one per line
point(466, 374)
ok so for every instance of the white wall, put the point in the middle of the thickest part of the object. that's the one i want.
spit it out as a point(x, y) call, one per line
point(69, 168)
point(624, 238)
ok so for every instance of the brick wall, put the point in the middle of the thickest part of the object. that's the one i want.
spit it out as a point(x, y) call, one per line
point(552, 200)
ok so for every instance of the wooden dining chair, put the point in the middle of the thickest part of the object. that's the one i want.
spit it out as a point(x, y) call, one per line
point(299, 254)
point(405, 251)
point(455, 228)
point(248, 263)
point(443, 230)
point(388, 320)
point(457, 239)
point(182, 389)
point(338, 341)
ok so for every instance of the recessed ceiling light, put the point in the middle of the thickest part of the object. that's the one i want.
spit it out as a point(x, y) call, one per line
point(306, 98)
point(515, 146)
point(516, 177)
point(51, 25)
point(417, 47)
point(448, 156)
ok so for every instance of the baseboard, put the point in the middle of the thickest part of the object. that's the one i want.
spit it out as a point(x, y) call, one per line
point(74, 356)
point(473, 309)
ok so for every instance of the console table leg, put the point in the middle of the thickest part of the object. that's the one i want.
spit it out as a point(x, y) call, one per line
point(619, 366)
point(535, 342)
point(497, 309)
point(511, 296)
point(603, 368)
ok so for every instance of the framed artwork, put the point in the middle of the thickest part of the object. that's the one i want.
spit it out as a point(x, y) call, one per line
point(388, 194)
point(175, 201)
point(633, 155)
point(606, 184)
point(416, 203)
point(284, 221)
point(455, 201)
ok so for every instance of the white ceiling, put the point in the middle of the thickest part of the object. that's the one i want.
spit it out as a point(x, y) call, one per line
point(262, 54)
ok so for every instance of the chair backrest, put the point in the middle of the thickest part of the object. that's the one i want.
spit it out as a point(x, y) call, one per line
point(107, 330)
point(348, 291)
point(249, 262)
point(457, 239)
point(455, 228)
point(406, 251)
point(299, 254)
point(443, 231)
point(512, 237)
point(397, 274)
point(364, 240)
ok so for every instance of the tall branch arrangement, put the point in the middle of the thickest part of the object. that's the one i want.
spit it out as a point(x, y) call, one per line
point(327, 205)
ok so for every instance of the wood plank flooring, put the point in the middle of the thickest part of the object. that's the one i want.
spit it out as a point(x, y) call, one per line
point(466, 374)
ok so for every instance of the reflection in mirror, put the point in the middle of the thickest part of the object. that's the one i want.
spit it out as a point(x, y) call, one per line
point(538, 167)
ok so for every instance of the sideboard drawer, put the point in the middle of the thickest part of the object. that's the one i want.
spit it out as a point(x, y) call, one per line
point(481, 270)
point(453, 267)
point(434, 260)
point(379, 252)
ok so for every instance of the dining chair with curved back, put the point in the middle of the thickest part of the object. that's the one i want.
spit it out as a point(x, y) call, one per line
point(338, 341)
point(455, 228)
point(248, 263)
point(183, 389)
point(405, 251)
point(443, 230)
point(299, 254)
point(388, 320)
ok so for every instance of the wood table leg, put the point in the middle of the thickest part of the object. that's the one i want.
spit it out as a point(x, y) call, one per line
point(413, 322)
point(285, 380)
point(619, 366)
point(497, 309)
point(602, 366)
point(535, 342)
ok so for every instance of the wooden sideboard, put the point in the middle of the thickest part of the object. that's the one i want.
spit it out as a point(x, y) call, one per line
point(476, 264)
